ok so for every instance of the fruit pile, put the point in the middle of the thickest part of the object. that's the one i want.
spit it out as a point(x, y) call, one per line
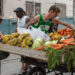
point(65, 32)
point(61, 33)
point(55, 36)
point(20, 40)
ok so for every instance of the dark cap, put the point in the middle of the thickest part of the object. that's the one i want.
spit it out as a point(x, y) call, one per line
point(18, 9)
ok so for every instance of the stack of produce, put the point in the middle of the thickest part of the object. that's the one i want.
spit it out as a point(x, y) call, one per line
point(62, 53)
point(56, 51)
point(40, 44)
point(65, 32)
point(55, 36)
point(20, 40)
point(61, 33)
point(62, 43)
point(65, 56)
point(54, 57)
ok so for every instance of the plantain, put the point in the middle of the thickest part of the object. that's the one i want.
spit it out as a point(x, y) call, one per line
point(14, 35)
point(5, 38)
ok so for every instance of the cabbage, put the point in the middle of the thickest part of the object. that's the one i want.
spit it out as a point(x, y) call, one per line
point(54, 42)
point(47, 43)
point(50, 42)
point(37, 43)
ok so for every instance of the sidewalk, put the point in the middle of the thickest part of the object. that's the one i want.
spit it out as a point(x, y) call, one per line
point(12, 65)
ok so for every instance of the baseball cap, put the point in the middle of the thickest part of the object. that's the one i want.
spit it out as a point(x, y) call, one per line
point(18, 9)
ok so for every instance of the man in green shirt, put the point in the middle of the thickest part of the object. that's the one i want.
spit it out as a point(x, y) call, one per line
point(44, 21)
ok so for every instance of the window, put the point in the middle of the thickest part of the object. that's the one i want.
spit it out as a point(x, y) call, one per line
point(32, 8)
point(62, 8)
point(1, 3)
point(37, 8)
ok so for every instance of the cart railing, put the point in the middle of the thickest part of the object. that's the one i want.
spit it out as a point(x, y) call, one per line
point(39, 55)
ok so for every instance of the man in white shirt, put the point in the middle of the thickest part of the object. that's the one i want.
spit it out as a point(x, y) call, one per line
point(22, 19)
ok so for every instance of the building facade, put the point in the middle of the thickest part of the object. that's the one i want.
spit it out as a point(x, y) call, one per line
point(33, 7)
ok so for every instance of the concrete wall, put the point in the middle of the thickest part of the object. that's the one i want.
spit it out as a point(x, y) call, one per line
point(69, 6)
point(10, 5)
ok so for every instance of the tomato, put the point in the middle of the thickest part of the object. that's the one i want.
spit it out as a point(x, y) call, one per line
point(64, 29)
point(62, 33)
point(59, 31)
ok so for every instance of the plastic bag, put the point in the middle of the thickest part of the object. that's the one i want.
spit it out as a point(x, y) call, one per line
point(34, 33)
point(23, 30)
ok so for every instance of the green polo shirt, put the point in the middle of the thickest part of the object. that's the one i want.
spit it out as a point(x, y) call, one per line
point(42, 24)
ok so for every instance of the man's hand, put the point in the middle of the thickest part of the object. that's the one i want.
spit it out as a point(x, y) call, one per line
point(32, 21)
point(73, 29)
point(29, 24)
point(15, 30)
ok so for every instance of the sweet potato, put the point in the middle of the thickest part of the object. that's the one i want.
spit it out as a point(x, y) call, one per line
point(39, 48)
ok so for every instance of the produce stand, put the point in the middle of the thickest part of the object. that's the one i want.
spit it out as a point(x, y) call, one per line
point(34, 57)
point(46, 56)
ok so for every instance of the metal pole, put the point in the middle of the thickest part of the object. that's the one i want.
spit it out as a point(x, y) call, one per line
point(74, 11)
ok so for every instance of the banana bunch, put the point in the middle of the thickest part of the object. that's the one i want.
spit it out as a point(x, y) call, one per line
point(21, 37)
point(27, 42)
point(20, 40)
point(23, 44)
point(12, 42)
point(5, 38)
point(14, 35)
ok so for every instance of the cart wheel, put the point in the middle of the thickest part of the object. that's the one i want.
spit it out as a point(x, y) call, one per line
point(36, 71)
point(3, 55)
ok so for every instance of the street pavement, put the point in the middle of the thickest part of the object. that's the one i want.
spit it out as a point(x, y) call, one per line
point(12, 65)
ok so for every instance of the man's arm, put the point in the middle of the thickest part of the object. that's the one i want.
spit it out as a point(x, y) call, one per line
point(27, 20)
point(32, 21)
point(16, 25)
point(63, 23)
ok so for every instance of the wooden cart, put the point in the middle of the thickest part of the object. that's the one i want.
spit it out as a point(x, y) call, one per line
point(34, 57)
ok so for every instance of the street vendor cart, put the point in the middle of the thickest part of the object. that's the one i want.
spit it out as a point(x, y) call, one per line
point(48, 58)
point(37, 58)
